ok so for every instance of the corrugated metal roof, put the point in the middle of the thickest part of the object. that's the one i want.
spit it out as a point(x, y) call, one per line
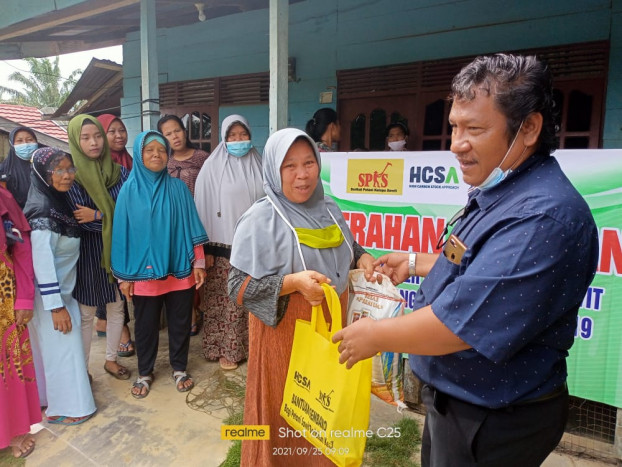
point(101, 86)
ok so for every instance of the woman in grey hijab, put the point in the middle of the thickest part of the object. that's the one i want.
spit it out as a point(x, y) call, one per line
point(228, 184)
point(284, 247)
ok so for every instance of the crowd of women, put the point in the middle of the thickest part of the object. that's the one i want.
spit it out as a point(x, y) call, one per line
point(169, 229)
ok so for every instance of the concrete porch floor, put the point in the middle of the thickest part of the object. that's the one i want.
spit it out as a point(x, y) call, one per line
point(169, 428)
point(159, 430)
point(166, 428)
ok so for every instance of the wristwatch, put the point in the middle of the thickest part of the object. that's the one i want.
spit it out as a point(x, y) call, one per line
point(56, 310)
point(412, 258)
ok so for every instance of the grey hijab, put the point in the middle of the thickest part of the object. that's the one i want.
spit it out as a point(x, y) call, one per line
point(227, 186)
point(264, 244)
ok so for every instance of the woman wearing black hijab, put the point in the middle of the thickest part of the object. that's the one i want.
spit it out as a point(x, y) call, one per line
point(15, 169)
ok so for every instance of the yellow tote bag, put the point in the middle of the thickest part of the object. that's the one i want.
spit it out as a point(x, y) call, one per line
point(327, 403)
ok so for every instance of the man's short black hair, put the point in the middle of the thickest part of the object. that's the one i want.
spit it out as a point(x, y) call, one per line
point(401, 125)
point(519, 86)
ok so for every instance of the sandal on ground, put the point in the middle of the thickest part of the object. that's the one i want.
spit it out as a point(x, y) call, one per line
point(100, 327)
point(126, 349)
point(68, 421)
point(22, 445)
point(227, 364)
point(195, 327)
point(122, 373)
point(140, 383)
point(181, 377)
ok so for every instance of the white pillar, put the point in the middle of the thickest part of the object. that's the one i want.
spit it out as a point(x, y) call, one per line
point(279, 35)
point(150, 107)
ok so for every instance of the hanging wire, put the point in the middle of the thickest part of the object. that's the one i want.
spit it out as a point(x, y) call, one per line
point(30, 72)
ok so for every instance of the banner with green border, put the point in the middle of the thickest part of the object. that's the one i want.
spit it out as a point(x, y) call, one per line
point(401, 201)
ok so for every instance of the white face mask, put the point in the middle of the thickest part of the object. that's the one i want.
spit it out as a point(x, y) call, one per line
point(397, 145)
point(497, 175)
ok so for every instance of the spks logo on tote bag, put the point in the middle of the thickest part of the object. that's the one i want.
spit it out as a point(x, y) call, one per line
point(327, 403)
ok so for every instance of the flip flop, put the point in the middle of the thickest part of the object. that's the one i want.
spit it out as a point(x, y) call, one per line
point(18, 442)
point(126, 352)
point(182, 377)
point(62, 420)
point(227, 364)
point(195, 328)
point(140, 383)
point(122, 373)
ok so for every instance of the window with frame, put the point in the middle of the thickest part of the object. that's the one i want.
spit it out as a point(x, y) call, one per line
point(419, 91)
point(197, 102)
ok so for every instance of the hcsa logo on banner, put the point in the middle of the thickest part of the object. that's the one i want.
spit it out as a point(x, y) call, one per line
point(378, 176)
point(440, 177)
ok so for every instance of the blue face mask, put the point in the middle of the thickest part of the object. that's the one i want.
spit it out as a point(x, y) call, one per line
point(239, 148)
point(497, 175)
point(24, 151)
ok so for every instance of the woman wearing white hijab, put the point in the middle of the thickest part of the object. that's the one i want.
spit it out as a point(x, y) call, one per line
point(228, 184)
point(284, 247)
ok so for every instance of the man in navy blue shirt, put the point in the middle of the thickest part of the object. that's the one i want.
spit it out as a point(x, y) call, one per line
point(497, 312)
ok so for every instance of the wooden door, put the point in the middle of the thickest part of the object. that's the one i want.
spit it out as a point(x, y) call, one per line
point(364, 121)
point(580, 109)
point(434, 134)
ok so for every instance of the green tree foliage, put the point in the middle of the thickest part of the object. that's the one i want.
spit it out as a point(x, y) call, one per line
point(42, 87)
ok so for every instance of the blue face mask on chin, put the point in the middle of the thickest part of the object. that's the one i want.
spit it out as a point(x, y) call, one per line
point(497, 175)
point(24, 151)
point(239, 148)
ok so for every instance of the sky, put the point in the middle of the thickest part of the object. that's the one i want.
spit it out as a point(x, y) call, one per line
point(68, 63)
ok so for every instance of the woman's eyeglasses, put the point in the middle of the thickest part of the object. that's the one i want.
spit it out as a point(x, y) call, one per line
point(62, 172)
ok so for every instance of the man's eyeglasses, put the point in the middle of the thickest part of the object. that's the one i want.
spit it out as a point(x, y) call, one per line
point(455, 218)
point(62, 172)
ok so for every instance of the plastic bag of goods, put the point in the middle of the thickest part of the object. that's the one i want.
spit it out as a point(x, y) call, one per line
point(379, 301)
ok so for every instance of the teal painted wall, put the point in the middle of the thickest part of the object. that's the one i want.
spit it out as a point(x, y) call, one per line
point(257, 116)
point(330, 35)
point(425, 30)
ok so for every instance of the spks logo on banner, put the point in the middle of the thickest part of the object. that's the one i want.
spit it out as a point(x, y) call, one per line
point(378, 176)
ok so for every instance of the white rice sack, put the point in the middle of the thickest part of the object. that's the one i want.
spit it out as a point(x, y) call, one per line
point(379, 301)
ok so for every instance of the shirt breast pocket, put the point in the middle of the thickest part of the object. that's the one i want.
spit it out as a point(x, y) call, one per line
point(454, 249)
point(456, 256)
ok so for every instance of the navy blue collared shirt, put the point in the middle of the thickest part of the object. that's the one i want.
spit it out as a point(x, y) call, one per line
point(532, 252)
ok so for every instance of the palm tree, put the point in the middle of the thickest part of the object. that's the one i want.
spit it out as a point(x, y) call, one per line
point(45, 88)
